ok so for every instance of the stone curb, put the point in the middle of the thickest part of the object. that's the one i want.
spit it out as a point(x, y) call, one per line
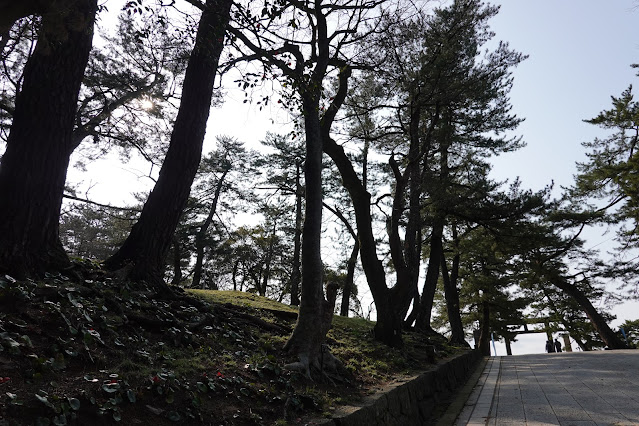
point(411, 401)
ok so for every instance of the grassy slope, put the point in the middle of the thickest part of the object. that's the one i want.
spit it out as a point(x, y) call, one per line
point(100, 352)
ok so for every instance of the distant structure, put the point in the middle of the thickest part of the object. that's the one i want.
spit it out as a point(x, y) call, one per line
point(546, 329)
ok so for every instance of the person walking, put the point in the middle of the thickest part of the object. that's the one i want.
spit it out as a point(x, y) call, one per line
point(549, 346)
point(557, 345)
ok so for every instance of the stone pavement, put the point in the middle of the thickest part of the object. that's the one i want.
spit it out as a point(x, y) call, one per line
point(578, 388)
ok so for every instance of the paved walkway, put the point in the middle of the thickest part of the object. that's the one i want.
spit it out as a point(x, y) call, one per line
point(578, 388)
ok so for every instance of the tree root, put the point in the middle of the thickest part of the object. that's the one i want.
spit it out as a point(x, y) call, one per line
point(324, 367)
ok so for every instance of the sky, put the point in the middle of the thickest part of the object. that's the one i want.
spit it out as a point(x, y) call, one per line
point(579, 55)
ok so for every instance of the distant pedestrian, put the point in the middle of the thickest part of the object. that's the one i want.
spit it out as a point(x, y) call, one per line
point(557, 346)
point(549, 346)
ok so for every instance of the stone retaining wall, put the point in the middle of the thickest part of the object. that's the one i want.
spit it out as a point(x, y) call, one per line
point(412, 401)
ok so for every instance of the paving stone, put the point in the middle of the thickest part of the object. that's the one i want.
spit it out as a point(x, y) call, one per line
point(579, 388)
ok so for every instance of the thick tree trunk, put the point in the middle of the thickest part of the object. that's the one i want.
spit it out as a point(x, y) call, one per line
point(413, 234)
point(34, 165)
point(315, 314)
point(297, 241)
point(200, 238)
point(452, 301)
point(349, 282)
point(430, 282)
point(12, 10)
point(146, 247)
point(598, 322)
point(387, 329)
point(484, 337)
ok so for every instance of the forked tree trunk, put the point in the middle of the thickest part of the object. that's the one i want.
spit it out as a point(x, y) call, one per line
point(351, 263)
point(145, 250)
point(405, 256)
point(34, 165)
point(388, 328)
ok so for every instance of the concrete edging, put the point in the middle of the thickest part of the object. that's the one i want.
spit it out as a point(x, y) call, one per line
point(411, 401)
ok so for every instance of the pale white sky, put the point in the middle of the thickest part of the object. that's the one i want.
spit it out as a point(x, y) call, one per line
point(580, 54)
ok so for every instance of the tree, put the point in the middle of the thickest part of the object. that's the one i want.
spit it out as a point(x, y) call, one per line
point(129, 87)
point(145, 250)
point(125, 89)
point(17, 48)
point(94, 232)
point(563, 312)
point(229, 155)
point(450, 278)
point(631, 328)
point(610, 174)
point(305, 52)
point(556, 275)
point(452, 108)
point(555, 256)
point(488, 270)
point(34, 165)
point(251, 259)
point(285, 178)
point(462, 99)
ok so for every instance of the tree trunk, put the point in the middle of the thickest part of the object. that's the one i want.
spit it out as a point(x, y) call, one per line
point(509, 350)
point(410, 320)
point(234, 277)
point(297, 242)
point(146, 247)
point(484, 337)
point(349, 282)
point(405, 256)
point(430, 282)
point(598, 322)
point(34, 165)
point(177, 262)
point(267, 262)
point(201, 235)
point(12, 10)
point(386, 329)
point(452, 301)
point(413, 234)
point(315, 314)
